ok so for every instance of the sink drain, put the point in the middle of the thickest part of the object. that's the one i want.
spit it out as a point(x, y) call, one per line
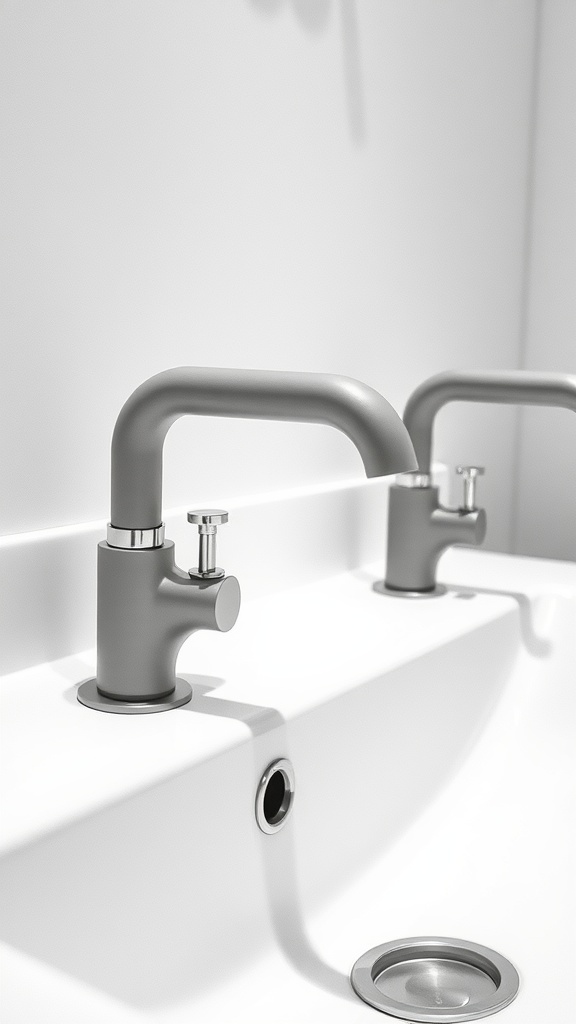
point(435, 979)
point(274, 795)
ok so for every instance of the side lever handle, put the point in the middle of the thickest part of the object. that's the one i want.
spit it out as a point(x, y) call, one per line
point(207, 520)
point(470, 476)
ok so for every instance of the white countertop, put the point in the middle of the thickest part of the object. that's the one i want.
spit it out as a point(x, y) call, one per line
point(290, 652)
point(287, 652)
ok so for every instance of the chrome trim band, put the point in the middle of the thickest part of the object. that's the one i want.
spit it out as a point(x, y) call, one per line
point(381, 587)
point(118, 537)
point(416, 479)
point(89, 695)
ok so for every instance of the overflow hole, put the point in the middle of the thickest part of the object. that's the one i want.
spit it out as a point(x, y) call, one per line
point(274, 795)
point(275, 799)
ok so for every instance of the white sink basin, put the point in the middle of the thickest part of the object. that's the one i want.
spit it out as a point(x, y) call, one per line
point(433, 748)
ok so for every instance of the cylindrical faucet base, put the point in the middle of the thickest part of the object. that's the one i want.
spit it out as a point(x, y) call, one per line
point(419, 531)
point(147, 606)
point(90, 696)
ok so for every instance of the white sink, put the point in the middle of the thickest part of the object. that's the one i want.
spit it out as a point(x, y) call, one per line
point(433, 748)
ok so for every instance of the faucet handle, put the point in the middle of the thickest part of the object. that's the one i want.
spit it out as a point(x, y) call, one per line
point(207, 520)
point(470, 476)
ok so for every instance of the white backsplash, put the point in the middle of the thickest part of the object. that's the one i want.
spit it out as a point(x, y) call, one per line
point(273, 542)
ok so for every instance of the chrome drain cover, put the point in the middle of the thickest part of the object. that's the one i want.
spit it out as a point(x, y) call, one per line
point(435, 979)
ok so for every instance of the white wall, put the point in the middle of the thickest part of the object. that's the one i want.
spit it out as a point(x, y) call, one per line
point(298, 184)
point(547, 480)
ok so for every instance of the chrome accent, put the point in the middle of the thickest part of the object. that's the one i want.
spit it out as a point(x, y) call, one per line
point(89, 695)
point(416, 479)
point(273, 806)
point(211, 574)
point(469, 476)
point(381, 587)
point(117, 537)
point(437, 980)
point(208, 517)
point(207, 520)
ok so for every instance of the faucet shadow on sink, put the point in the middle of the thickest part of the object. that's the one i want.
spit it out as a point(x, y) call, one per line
point(279, 855)
point(174, 890)
point(135, 898)
point(536, 645)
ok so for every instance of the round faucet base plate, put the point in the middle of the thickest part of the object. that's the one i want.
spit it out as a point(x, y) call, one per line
point(89, 695)
point(381, 588)
point(436, 980)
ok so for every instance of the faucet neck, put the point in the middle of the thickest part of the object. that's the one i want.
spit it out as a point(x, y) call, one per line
point(342, 402)
point(511, 387)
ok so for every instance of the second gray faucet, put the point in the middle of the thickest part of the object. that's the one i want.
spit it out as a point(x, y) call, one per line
point(419, 528)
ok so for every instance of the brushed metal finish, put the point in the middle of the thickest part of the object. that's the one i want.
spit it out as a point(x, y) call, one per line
point(147, 605)
point(357, 410)
point(419, 528)
point(381, 587)
point(434, 979)
point(502, 387)
point(90, 696)
point(273, 824)
point(207, 520)
point(197, 573)
point(208, 517)
point(120, 538)
point(469, 476)
point(419, 531)
point(414, 479)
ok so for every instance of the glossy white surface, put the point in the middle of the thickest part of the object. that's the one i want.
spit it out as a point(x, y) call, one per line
point(433, 749)
point(291, 184)
point(288, 654)
point(48, 578)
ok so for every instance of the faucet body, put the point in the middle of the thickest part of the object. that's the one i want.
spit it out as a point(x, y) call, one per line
point(419, 531)
point(419, 528)
point(147, 606)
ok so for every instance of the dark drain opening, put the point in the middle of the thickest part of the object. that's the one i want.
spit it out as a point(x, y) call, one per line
point(274, 795)
point(276, 799)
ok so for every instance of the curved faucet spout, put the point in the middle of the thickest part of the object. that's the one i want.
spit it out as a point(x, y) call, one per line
point(342, 402)
point(512, 387)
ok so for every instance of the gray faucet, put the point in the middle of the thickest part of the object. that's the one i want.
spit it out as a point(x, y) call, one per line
point(419, 528)
point(147, 606)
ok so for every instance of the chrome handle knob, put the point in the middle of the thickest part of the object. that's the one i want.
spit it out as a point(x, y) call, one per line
point(469, 476)
point(207, 520)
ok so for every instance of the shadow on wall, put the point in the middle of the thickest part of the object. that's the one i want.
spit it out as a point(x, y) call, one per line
point(314, 17)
